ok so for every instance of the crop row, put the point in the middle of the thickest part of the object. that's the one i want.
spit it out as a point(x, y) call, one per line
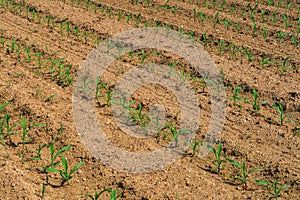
point(67, 27)
point(47, 64)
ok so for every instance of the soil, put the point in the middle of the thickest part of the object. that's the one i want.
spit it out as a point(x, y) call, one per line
point(34, 34)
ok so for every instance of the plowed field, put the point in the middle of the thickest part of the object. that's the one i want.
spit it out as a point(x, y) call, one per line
point(254, 45)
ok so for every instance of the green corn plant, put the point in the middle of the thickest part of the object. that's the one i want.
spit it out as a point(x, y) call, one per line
point(175, 133)
point(286, 21)
point(265, 61)
point(235, 97)
point(202, 16)
point(39, 58)
point(38, 152)
point(195, 15)
point(237, 26)
point(172, 66)
point(215, 19)
point(96, 196)
point(281, 34)
point(226, 22)
point(294, 40)
point(2, 41)
point(276, 189)
point(139, 117)
point(284, 66)
point(43, 190)
point(275, 19)
point(249, 56)
point(263, 11)
point(234, 50)
point(270, 2)
point(194, 145)
point(254, 27)
point(25, 130)
point(76, 31)
point(88, 4)
point(65, 173)
point(223, 4)
point(255, 104)
point(244, 172)
point(2, 142)
point(128, 17)
point(8, 126)
point(265, 34)
point(54, 155)
point(12, 47)
point(279, 107)
point(253, 11)
point(27, 50)
point(109, 94)
point(217, 153)
point(221, 47)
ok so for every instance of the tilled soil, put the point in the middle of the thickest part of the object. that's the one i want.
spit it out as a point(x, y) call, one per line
point(67, 31)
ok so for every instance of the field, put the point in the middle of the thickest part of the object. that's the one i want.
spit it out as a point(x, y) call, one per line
point(253, 44)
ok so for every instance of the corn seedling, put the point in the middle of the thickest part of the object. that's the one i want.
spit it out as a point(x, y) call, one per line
point(254, 27)
point(221, 46)
point(255, 104)
point(2, 41)
point(284, 66)
point(262, 15)
point(43, 190)
point(215, 19)
point(265, 61)
point(194, 145)
point(217, 153)
point(276, 189)
point(2, 142)
point(249, 56)
point(294, 40)
point(175, 133)
point(25, 130)
point(281, 34)
point(65, 173)
point(234, 50)
point(172, 66)
point(235, 97)
point(38, 152)
point(96, 196)
point(279, 107)
point(243, 173)
point(275, 19)
point(8, 126)
point(54, 155)
point(265, 34)
point(237, 26)
point(286, 21)
point(253, 11)
point(226, 22)
point(139, 117)
point(27, 50)
point(202, 16)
